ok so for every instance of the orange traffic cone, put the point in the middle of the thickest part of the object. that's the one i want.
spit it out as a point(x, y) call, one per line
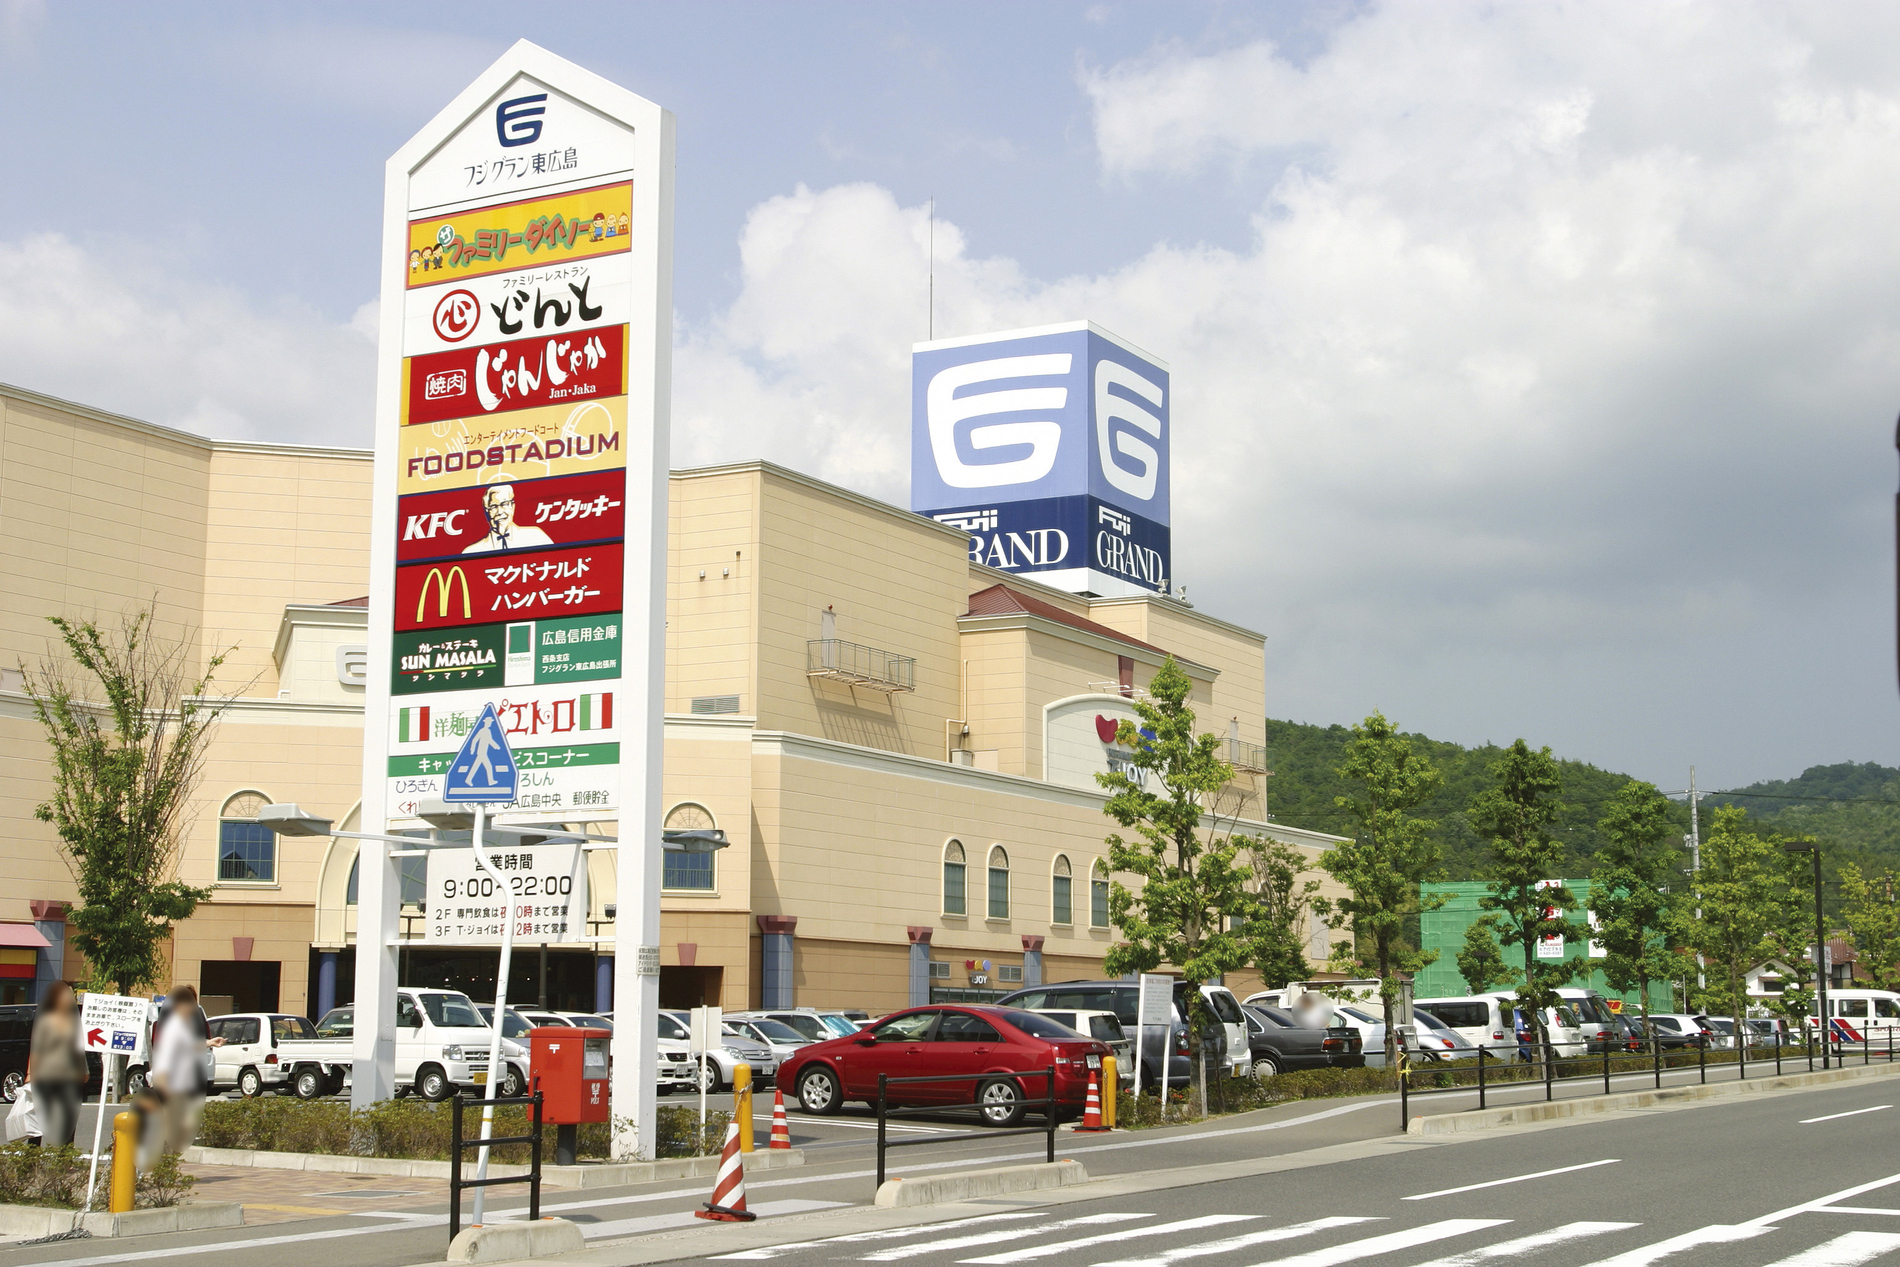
point(781, 1129)
point(1092, 1108)
point(728, 1198)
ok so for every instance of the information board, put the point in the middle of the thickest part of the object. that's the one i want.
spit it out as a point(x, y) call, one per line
point(115, 1023)
point(546, 886)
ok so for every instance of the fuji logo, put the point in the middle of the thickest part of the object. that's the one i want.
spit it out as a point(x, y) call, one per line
point(1105, 728)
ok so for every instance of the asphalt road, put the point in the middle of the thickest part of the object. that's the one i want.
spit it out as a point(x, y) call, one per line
point(1674, 1173)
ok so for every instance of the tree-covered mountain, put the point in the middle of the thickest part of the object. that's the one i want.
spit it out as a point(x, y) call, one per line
point(1852, 809)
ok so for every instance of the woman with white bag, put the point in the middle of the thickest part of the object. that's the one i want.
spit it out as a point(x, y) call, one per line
point(56, 1065)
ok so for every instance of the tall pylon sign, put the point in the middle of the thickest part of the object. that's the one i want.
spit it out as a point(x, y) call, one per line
point(518, 542)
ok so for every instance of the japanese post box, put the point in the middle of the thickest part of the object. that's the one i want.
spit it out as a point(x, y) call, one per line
point(568, 1066)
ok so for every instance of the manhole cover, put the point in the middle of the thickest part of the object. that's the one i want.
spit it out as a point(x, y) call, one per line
point(378, 1194)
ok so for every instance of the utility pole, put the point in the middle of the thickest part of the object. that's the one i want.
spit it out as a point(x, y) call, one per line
point(1695, 867)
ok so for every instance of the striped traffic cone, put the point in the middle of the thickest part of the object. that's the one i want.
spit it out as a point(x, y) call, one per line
point(728, 1198)
point(781, 1129)
point(1092, 1108)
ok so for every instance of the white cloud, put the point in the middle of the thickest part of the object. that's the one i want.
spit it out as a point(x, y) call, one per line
point(99, 327)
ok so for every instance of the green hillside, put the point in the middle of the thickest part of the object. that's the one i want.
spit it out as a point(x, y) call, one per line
point(1853, 809)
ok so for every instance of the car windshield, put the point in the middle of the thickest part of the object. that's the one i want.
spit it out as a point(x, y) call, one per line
point(1361, 1017)
point(671, 1028)
point(1036, 1025)
point(839, 1026)
point(282, 1027)
point(591, 1022)
point(1722, 1025)
point(513, 1025)
point(776, 1032)
point(339, 1022)
point(1273, 1016)
point(1427, 1019)
point(452, 1011)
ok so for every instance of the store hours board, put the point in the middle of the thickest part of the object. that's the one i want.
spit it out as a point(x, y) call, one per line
point(546, 885)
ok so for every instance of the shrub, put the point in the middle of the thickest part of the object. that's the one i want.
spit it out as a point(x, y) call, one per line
point(163, 1183)
point(41, 1176)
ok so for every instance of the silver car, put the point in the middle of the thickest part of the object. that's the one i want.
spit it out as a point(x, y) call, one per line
point(775, 1036)
point(735, 1049)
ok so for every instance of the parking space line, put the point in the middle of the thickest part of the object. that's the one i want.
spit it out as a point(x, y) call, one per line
point(1493, 1183)
point(1808, 1121)
point(1525, 1244)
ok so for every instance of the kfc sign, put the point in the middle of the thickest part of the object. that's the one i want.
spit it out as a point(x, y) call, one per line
point(523, 374)
point(482, 589)
point(512, 515)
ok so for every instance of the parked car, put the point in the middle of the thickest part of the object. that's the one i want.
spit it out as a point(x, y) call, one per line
point(1097, 1024)
point(1123, 999)
point(1278, 1043)
point(537, 1017)
point(678, 1071)
point(1562, 1027)
point(1371, 1030)
point(1598, 1022)
point(1483, 1020)
point(250, 1060)
point(1676, 1030)
point(16, 1034)
point(810, 1025)
point(442, 1044)
point(1436, 1041)
point(733, 1050)
point(998, 1046)
point(779, 1039)
point(1771, 1032)
point(588, 1020)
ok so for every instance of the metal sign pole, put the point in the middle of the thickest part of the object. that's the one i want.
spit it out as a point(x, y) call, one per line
point(501, 1008)
point(98, 1124)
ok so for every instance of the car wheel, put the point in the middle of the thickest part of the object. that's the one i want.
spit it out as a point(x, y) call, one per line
point(1002, 1102)
point(310, 1084)
point(433, 1085)
point(136, 1082)
point(250, 1083)
point(818, 1091)
point(1264, 1067)
point(708, 1078)
point(11, 1084)
point(513, 1086)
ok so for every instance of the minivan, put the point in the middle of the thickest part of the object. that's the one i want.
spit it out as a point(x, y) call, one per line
point(1123, 999)
point(1483, 1020)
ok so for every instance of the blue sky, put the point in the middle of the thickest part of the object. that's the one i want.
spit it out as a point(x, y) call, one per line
point(1535, 364)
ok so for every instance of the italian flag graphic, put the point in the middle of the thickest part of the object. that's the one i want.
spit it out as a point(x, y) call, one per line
point(595, 712)
point(412, 725)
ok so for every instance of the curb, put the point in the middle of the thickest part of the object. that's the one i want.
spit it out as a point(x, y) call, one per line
point(29, 1222)
point(598, 1175)
point(505, 1242)
point(969, 1185)
point(1591, 1106)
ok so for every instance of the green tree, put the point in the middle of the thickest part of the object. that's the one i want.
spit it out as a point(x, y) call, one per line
point(1193, 907)
point(1739, 892)
point(1638, 868)
point(124, 763)
point(1873, 923)
point(1480, 961)
point(1523, 859)
point(1391, 852)
point(1281, 903)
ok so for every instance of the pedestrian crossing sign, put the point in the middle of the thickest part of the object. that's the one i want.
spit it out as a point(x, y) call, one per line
point(484, 770)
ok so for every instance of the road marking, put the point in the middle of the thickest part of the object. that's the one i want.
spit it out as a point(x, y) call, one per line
point(253, 1243)
point(1714, 1234)
point(685, 1218)
point(1843, 1251)
point(1524, 1244)
point(1853, 1209)
point(1243, 1241)
point(1807, 1121)
point(990, 1238)
point(1828, 1200)
point(1063, 1247)
point(1494, 1183)
point(1390, 1243)
point(886, 1234)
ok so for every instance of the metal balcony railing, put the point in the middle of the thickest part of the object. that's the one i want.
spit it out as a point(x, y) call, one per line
point(1246, 758)
point(840, 661)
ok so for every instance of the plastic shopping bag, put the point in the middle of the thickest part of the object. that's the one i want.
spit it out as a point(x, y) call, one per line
point(24, 1119)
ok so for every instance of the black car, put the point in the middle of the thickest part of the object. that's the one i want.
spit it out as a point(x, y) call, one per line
point(16, 1039)
point(1281, 1044)
point(1122, 998)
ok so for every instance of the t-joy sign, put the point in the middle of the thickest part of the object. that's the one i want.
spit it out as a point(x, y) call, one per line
point(1050, 448)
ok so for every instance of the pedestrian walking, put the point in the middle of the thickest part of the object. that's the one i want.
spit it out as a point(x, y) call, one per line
point(178, 1067)
point(56, 1065)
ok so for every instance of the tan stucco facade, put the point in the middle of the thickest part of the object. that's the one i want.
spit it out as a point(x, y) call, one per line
point(847, 694)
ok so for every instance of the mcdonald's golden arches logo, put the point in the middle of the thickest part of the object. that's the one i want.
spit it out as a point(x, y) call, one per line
point(443, 582)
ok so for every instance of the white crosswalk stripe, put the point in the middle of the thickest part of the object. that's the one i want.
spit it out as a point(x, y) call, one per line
point(1715, 1234)
point(886, 1234)
point(1526, 1244)
point(990, 1238)
point(1245, 1240)
point(1844, 1251)
point(1390, 1243)
point(1063, 1247)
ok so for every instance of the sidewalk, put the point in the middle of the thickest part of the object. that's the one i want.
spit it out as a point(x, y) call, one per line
point(279, 1196)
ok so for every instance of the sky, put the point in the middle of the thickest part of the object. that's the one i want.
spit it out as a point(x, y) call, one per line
point(1536, 364)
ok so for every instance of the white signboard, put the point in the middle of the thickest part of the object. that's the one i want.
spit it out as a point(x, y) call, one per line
point(703, 1034)
point(1157, 1000)
point(114, 1024)
point(547, 888)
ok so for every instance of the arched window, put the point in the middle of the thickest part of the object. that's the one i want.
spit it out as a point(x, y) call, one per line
point(680, 870)
point(247, 851)
point(999, 883)
point(953, 903)
point(1098, 895)
point(1059, 881)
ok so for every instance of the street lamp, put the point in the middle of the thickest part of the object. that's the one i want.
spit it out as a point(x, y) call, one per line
point(1820, 947)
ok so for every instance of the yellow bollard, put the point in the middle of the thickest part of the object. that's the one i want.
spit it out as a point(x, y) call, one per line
point(742, 1103)
point(1108, 1092)
point(125, 1162)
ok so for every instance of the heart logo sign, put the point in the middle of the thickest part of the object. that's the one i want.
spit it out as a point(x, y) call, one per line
point(1105, 728)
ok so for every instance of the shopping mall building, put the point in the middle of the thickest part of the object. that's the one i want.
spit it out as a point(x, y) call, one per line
point(898, 742)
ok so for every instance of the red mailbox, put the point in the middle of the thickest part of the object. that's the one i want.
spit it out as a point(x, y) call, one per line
point(568, 1066)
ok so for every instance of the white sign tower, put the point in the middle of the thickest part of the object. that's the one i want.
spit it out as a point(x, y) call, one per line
point(523, 388)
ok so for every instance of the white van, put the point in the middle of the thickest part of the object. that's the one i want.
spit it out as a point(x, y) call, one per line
point(441, 1047)
point(1483, 1020)
point(1861, 1014)
point(1561, 1023)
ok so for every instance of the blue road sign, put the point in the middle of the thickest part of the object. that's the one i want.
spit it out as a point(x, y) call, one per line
point(484, 770)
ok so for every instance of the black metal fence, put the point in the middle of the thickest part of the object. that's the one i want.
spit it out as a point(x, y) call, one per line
point(1047, 1104)
point(1521, 1070)
point(457, 1144)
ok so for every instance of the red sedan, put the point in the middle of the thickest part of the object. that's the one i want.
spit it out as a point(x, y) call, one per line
point(994, 1052)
